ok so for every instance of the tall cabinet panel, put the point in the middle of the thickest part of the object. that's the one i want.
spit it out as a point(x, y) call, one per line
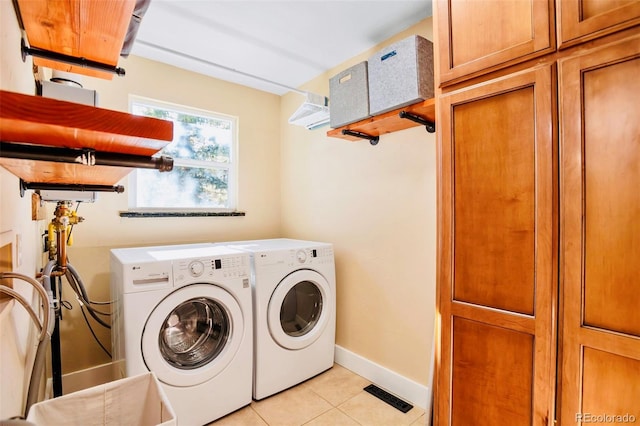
point(498, 288)
point(539, 213)
point(600, 223)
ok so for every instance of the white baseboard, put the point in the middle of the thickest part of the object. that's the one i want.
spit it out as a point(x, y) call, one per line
point(413, 392)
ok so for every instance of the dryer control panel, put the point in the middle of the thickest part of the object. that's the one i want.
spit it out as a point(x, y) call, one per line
point(313, 255)
point(210, 269)
point(295, 257)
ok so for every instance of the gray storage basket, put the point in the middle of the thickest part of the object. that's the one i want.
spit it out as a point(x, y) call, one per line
point(401, 74)
point(349, 96)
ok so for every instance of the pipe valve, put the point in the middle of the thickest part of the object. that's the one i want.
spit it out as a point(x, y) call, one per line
point(64, 218)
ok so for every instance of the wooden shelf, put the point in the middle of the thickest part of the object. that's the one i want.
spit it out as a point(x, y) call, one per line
point(388, 122)
point(90, 29)
point(36, 120)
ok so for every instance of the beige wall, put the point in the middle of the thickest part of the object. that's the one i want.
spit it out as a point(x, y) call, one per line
point(17, 333)
point(376, 204)
point(259, 159)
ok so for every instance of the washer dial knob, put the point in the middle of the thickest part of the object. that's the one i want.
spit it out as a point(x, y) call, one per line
point(301, 255)
point(196, 268)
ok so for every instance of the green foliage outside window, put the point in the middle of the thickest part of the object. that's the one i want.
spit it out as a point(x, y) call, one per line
point(202, 155)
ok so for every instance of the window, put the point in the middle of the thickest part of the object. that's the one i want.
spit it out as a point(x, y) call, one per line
point(204, 150)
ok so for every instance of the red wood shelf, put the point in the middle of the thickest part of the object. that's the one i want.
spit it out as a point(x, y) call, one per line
point(388, 122)
point(90, 29)
point(35, 120)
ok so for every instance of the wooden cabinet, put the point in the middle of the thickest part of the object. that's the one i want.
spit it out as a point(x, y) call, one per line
point(582, 20)
point(600, 231)
point(538, 230)
point(476, 36)
point(498, 253)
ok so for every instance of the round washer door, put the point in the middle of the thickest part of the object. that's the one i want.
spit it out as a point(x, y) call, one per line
point(192, 335)
point(299, 309)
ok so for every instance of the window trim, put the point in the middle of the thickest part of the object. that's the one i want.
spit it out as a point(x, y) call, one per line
point(232, 167)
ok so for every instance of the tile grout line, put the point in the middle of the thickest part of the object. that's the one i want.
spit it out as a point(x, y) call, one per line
point(337, 407)
point(258, 414)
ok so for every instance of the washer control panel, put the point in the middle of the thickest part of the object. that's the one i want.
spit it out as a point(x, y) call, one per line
point(210, 269)
point(146, 276)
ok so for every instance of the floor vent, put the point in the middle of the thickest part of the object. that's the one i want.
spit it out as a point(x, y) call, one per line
point(388, 398)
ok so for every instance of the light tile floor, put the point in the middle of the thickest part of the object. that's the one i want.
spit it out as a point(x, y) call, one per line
point(333, 398)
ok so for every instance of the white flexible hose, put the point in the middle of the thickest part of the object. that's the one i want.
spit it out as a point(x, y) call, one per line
point(11, 292)
point(43, 295)
point(45, 332)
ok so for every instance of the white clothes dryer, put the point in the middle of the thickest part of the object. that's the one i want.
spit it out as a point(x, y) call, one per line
point(184, 312)
point(294, 301)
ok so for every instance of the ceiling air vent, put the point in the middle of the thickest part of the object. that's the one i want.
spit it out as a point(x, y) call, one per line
point(313, 113)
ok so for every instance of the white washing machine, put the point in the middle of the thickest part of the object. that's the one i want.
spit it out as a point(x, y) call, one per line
point(184, 313)
point(294, 301)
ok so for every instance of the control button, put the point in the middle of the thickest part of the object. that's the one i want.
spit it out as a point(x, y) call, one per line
point(302, 256)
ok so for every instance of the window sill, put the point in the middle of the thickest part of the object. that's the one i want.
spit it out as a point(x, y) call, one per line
point(134, 214)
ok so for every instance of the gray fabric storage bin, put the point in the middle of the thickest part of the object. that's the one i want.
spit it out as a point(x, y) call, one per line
point(401, 74)
point(349, 96)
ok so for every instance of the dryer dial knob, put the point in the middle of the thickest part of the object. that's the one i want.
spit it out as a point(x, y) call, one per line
point(196, 268)
point(301, 255)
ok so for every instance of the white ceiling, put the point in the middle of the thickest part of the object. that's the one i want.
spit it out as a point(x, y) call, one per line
point(286, 42)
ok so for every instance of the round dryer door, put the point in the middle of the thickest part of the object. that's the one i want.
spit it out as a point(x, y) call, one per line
point(299, 309)
point(192, 335)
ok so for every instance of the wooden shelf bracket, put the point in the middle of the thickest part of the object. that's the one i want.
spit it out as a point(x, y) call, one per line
point(373, 140)
point(429, 125)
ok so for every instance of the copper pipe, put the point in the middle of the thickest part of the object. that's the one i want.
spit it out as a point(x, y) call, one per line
point(62, 248)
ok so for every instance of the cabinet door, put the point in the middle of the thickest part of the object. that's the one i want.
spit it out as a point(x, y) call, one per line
point(582, 20)
point(477, 36)
point(497, 279)
point(600, 233)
